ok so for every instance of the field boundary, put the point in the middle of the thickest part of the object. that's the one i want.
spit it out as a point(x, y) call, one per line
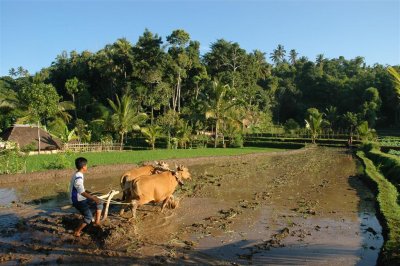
point(387, 196)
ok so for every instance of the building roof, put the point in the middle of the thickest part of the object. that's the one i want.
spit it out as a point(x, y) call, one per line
point(27, 134)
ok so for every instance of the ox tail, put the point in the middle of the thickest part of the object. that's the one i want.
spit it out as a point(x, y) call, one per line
point(123, 180)
point(134, 190)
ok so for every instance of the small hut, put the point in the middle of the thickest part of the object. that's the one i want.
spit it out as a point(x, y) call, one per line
point(27, 135)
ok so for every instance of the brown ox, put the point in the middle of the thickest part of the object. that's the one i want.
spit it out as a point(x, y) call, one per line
point(156, 188)
point(145, 170)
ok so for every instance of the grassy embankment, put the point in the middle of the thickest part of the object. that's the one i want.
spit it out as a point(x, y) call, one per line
point(41, 162)
point(387, 196)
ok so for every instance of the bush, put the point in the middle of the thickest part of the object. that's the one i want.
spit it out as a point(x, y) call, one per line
point(11, 162)
point(59, 162)
point(389, 165)
point(33, 146)
point(367, 146)
point(237, 141)
point(291, 126)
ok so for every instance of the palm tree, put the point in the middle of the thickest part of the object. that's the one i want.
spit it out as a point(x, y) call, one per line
point(320, 61)
point(219, 105)
point(293, 56)
point(184, 133)
point(72, 87)
point(12, 72)
point(63, 108)
point(331, 115)
point(278, 55)
point(313, 123)
point(125, 117)
point(151, 133)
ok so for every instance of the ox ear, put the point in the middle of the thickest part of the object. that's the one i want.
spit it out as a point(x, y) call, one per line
point(157, 162)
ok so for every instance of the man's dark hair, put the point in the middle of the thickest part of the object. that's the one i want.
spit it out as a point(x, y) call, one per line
point(80, 162)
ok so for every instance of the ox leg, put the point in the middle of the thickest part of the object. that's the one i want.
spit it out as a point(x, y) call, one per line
point(121, 212)
point(134, 206)
point(165, 202)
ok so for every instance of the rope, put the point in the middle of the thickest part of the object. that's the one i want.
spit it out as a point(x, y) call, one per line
point(97, 191)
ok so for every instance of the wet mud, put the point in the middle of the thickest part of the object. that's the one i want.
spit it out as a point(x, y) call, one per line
point(307, 207)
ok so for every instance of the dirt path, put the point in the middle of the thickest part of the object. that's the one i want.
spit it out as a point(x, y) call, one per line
point(304, 207)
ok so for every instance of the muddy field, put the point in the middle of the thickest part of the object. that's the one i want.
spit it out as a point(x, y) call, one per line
point(298, 207)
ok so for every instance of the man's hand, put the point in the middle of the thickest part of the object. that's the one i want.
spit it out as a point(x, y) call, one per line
point(96, 199)
point(89, 196)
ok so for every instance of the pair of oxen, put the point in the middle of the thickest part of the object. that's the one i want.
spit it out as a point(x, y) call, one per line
point(151, 183)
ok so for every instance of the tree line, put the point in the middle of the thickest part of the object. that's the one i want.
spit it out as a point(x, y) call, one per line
point(167, 88)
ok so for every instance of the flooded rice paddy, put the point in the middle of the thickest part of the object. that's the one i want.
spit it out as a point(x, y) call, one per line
point(305, 207)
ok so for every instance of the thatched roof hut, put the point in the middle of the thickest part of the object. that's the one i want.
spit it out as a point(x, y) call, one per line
point(25, 135)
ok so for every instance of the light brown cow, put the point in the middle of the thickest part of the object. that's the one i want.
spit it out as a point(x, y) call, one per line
point(145, 170)
point(157, 188)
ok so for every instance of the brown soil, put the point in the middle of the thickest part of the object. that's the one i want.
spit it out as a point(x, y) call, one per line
point(302, 207)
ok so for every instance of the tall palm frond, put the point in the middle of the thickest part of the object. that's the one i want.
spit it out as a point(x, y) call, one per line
point(125, 117)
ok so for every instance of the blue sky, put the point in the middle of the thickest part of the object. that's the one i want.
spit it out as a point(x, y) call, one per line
point(34, 32)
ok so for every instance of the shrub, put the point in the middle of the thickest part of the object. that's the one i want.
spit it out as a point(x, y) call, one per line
point(368, 145)
point(389, 165)
point(11, 161)
point(33, 146)
point(59, 162)
point(291, 126)
point(237, 141)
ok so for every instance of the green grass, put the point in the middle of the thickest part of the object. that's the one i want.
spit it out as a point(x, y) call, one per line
point(389, 165)
point(41, 162)
point(390, 209)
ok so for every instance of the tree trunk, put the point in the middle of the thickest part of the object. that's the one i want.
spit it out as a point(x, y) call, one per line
point(73, 100)
point(122, 142)
point(38, 132)
point(169, 139)
point(179, 95)
point(197, 91)
point(216, 134)
point(152, 115)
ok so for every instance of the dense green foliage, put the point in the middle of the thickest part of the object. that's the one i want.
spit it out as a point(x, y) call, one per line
point(12, 162)
point(46, 161)
point(228, 91)
point(388, 204)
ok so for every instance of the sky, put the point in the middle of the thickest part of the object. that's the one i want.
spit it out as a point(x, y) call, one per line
point(34, 32)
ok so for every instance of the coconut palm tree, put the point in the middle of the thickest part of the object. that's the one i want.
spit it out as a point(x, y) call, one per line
point(125, 117)
point(331, 115)
point(184, 133)
point(293, 56)
point(219, 105)
point(278, 55)
point(63, 108)
point(151, 133)
point(313, 122)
